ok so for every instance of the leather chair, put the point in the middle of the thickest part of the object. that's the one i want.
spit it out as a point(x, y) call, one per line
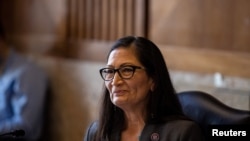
point(208, 111)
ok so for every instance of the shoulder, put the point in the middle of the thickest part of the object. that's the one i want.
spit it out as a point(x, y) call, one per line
point(93, 126)
point(185, 124)
point(23, 70)
point(182, 130)
point(91, 131)
point(19, 63)
point(179, 125)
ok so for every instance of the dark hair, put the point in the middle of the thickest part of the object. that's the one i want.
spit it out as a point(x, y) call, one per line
point(163, 102)
point(2, 32)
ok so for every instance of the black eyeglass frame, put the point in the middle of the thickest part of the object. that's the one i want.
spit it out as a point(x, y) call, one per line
point(119, 73)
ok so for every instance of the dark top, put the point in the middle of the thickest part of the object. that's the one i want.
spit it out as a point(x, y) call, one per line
point(175, 130)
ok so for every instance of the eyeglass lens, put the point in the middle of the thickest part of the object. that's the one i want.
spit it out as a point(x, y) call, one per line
point(124, 72)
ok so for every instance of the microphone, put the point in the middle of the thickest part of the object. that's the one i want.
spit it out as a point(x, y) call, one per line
point(15, 133)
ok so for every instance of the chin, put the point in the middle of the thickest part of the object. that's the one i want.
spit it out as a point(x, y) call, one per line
point(119, 103)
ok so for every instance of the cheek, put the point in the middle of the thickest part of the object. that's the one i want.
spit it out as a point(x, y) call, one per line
point(142, 86)
point(107, 85)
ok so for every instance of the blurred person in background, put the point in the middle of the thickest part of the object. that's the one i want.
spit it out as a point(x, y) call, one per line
point(23, 88)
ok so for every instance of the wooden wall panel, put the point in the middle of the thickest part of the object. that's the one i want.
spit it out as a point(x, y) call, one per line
point(205, 36)
point(214, 24)
point(105, 22)
point(82, 28)
point(207, 61)
point(35, 26)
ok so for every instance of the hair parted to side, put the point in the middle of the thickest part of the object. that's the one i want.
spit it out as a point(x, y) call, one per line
point(163, 101)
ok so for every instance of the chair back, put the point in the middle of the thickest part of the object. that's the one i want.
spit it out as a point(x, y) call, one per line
point(206, 110)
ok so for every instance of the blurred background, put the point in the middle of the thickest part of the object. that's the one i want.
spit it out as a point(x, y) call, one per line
point(206, 45)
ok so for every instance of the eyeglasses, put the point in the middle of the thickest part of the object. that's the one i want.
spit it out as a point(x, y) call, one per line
point(125, 72)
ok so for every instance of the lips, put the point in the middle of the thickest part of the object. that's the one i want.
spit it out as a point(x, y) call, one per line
point(119, 92)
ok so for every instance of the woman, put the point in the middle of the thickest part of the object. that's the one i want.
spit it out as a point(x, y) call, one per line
point(139, 100)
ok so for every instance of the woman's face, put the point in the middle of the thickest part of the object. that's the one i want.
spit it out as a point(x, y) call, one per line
point(128, 93)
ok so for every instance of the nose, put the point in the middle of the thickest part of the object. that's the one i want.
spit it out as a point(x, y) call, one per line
point(117, 79)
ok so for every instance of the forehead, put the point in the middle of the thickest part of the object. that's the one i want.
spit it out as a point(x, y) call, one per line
point(122, 55)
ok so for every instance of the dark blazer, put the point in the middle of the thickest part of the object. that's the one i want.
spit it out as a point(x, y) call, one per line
point(175, 130)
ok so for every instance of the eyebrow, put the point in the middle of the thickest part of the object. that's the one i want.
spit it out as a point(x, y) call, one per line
point(124, 64)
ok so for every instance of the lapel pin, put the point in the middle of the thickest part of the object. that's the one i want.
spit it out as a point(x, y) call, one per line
point(155, 137)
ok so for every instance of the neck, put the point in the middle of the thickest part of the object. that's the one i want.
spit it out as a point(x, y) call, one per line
point(135, 115)
point(135, 120)
point(134, 126)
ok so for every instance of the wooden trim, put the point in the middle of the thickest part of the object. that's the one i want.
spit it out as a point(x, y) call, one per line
point(207, 60)
point(140, 17)
point(89, 50)
point(177, 58)
point(129, 16)
point(105, 27)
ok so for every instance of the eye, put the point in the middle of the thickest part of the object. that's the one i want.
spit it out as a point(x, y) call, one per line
point(108, 71)
point(126, 70)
